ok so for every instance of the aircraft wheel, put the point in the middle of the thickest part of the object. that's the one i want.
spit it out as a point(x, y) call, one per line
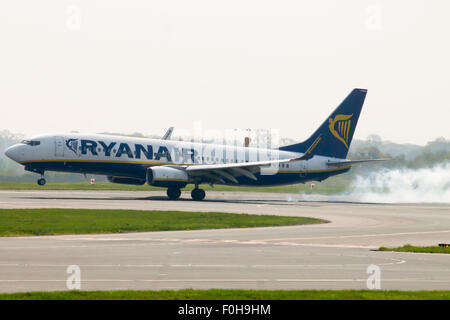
point(41, 181)
point(198, 194)
point(173, 193)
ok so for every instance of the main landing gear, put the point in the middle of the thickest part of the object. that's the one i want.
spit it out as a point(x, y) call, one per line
point(173, 193)
point(197, 194)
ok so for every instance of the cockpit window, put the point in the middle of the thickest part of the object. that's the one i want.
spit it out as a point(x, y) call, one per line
point(31, 142)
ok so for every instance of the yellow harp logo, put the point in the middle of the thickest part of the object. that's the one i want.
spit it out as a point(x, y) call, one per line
point(340, 127)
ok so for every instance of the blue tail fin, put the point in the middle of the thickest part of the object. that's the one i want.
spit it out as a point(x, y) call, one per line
point(337, 131)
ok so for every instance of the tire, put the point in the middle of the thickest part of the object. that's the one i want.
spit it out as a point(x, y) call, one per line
point(41, 181)
point(198, 194)
point(173, 193)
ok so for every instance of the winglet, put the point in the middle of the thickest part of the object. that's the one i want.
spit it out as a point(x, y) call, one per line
point(168, 134)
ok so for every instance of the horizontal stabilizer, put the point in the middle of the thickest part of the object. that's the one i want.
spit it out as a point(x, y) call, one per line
point(352, 162)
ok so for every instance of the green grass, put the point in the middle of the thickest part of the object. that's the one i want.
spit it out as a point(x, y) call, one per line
point(19, 222)
point(304, 188)
point(410, 248)
point(223, 294)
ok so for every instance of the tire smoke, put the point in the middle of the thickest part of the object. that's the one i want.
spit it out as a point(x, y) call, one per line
point(425, 185)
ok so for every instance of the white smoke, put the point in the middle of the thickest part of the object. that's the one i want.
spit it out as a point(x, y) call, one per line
point(426, 185)
point(404, 185)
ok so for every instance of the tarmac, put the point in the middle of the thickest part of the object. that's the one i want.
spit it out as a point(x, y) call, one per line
point(340, 254)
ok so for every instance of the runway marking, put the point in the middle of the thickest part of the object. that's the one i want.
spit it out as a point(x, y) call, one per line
point(174, 241)
point(203, 240)
point(363, 235)
point(318, 245)
point(226, 280)
point(395, 262)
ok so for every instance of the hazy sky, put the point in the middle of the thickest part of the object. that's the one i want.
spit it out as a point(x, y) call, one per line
point(127, 66)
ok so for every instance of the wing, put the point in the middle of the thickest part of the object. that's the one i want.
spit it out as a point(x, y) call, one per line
point(223, 173)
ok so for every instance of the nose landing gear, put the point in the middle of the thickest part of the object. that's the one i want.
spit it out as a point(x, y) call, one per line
point(41, 181)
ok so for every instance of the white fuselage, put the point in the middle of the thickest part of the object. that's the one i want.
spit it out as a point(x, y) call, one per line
point(103, 154)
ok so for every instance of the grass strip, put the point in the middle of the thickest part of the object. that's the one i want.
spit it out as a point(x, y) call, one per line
point(122, 187)
point(23, 222)
point(410, 248)
point(230, 294)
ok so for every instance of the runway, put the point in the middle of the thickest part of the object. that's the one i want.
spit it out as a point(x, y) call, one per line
point(334, 255)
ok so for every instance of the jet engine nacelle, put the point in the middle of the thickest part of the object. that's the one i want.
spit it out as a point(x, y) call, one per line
point(167, 177)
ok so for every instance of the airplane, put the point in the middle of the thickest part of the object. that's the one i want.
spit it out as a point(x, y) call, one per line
point(173, 164)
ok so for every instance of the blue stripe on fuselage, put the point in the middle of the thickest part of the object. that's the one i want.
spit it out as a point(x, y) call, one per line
point(137, 170)
point(133, 170)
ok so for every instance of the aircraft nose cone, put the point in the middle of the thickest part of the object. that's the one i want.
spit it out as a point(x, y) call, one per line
point(13, 152)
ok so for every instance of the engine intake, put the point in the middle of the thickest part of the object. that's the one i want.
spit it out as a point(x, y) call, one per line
point(167, 177)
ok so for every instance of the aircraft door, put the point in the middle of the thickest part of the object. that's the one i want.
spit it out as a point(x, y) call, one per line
point(303, 168)
point(59, 146)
